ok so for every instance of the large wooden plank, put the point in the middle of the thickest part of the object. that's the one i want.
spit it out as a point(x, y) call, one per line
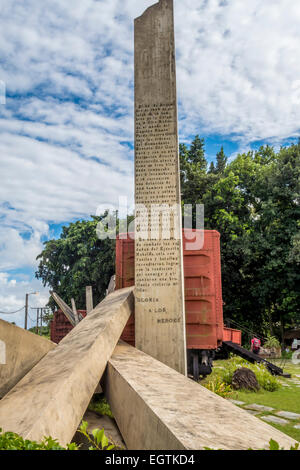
point(23, 350)
point(157, 408)
point(159, 310)
point(89, 299)
point(64, 307)
point(52, 398)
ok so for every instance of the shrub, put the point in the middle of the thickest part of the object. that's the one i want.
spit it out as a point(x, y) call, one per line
point(230, 367)
point(266, 380)
point(287, 354)
point(101, 406)
point(98, 440)
point(219, 387)
point(12, 441)
point(271, 343)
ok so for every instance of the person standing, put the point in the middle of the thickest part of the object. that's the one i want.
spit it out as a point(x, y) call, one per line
point(255, 345)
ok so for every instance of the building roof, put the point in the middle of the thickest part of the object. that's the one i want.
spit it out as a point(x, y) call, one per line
point(290, 334)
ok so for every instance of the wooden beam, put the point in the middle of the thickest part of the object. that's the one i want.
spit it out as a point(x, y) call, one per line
point(157, 408)
point(111, 285)
point(75, 313)
point(52, 398)
point(23, 351)
point(64, 307)
point(89, 299)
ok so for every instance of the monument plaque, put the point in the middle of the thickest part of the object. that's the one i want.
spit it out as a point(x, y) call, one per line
point(159, 309)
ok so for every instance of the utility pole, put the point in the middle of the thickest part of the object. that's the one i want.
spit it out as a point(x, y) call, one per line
point(37, 320)
point(26, 307)
point(26, 311)
point(41, 315)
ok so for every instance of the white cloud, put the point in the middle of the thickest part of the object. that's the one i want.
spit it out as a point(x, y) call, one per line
point(237, 68)
point(66, 131)
point(15, 251)
point(12, 298)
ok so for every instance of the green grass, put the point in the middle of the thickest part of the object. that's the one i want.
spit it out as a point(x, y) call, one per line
point(287, 366)
point(283, 399)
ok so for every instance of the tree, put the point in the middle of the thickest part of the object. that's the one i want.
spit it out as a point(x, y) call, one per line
point(254, 203)
point(77, 259)
point(212, 168)
point(275, 236)
point(221, 161)
point(193, 174)
point(196, 154)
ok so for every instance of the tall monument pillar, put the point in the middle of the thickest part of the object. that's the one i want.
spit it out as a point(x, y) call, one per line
point(159, 308)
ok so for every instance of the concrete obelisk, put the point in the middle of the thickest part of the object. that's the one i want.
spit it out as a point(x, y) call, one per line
point(159, 308)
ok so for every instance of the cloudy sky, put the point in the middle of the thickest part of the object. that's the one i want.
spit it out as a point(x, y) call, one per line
point(66, 129)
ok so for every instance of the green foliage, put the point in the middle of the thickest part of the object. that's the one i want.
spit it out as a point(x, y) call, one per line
point(12, 441)
point(77, 259)
point(273, 445)
point(254, 202)
point(266, 380)
point(271, 342)
point(43, 330)
point(231, 366)
point(286, 354)
point(101, 406)
point(221, 162)
point(98, 439)
point(219, 387)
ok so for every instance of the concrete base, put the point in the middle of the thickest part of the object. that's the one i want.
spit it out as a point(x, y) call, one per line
point(157, 408)
point(22, 351)
point(52, 398)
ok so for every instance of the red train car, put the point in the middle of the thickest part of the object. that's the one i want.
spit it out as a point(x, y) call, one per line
point(203, 296)
point(60, 325)
point(203, 300)
point(235, 336)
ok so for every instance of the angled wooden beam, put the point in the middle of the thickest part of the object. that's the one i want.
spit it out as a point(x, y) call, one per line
point(75, 313)
point(64, 307)
point(89, 299)
point(23, 351)
point(111, 285)
point(27, 408)
point(157, 408)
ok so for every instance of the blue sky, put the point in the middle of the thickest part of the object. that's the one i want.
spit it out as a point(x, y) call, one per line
point(66, 130)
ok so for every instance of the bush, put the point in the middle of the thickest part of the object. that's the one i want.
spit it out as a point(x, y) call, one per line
point(272, 343)
point(266, 380)
point(219, 387)
point(98, 440)
point(100, 406)
point(287, 354)
point(230, 367)
point(12, 441)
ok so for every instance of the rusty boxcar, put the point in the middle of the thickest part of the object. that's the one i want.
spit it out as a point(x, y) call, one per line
point(205, 330)
point(203, 297)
